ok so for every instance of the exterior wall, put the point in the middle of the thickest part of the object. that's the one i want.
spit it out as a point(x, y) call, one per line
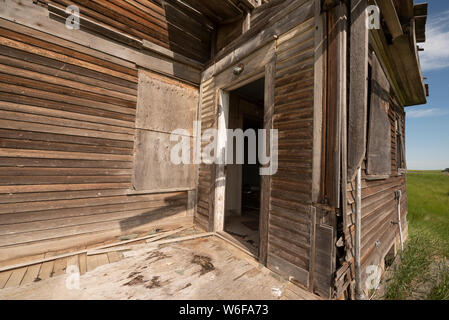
point(293, 222)
point(67, 143)
point(379, 225)
point(163, 23)
point(290, 223)
point(379, 210)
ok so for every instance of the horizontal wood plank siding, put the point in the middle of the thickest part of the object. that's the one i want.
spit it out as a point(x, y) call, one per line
point(67, 128)
point(379, 209)
point(160, 22)
point(290, 223)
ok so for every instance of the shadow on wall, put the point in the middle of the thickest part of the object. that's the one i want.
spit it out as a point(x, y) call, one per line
point(172, 206)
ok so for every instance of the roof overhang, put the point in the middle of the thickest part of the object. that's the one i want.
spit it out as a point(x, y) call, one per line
point(396, 43)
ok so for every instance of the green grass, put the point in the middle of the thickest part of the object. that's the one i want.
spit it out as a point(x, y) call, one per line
point(428, 217)
point(441, 291)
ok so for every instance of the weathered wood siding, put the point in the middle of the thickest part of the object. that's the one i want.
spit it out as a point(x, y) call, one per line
point(67, 116)
point(379, 210)
point(206, 172)
point(290, 224)
point(164, 23)
point(291, 219)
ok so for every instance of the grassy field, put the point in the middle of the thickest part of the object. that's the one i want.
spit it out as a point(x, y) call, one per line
point(424, 269)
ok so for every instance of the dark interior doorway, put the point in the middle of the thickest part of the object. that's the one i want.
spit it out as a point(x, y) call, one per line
point(243, 181)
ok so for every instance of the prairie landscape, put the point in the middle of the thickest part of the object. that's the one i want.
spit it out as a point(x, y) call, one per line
point(424, 269)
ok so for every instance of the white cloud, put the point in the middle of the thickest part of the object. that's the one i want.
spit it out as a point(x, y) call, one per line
point(425, 113)
point(436, 48)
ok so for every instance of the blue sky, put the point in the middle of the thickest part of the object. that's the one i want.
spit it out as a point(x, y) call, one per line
point(427, 127)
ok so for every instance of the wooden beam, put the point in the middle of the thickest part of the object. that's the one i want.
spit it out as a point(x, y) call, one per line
point(95, 252)
point(180, 239)
point(251, 41)
point(318, 99)
point(388, 11)
point(358, 87)
point(336, 101)
point(405, 10)
point(265, 203)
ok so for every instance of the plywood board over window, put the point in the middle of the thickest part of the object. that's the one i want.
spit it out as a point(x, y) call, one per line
point(379, 134)
point(164, 105)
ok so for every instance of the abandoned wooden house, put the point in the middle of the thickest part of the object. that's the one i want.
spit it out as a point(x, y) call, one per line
point(87, 114)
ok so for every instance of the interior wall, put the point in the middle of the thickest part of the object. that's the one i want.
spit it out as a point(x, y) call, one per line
point(68, 117)
point(233, 204)
point(239, 108)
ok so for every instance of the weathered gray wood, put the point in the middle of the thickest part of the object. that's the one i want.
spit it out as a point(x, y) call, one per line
point(165, 104)
point(388, 11)
point(101, 251)
point(319, 82)
point(358, 87)
point(312, 263)
point(323, 260)
point(254, 68)
point(402, 66)
point(179, 239)
point(282, 22)
point(288, 269)
point(337, 101)
point(265, 203)
point(153, 168)
point(379, 134)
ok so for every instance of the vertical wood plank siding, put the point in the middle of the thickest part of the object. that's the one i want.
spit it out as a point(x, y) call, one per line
point(67, 119)
point(289, 229)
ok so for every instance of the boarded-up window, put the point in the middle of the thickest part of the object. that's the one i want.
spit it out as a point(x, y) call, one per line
point(379, 131)
point(163, 105)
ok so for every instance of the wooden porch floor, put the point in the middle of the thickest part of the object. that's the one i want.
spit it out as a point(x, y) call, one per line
point(203, 268)
point(53, 268)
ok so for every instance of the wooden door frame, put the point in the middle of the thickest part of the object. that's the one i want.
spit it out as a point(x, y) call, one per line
point(255, 68)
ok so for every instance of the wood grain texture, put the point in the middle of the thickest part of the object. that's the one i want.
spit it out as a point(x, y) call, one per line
point(379, 209)
point(67, 117)
point(289, 222)
point(161, 23)
point(379, 133)
point(206, 172)
point(358, 87)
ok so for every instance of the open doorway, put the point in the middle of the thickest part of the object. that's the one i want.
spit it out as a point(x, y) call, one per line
point(243, 181)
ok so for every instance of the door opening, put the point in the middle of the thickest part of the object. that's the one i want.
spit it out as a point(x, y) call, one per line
point(243, 181)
